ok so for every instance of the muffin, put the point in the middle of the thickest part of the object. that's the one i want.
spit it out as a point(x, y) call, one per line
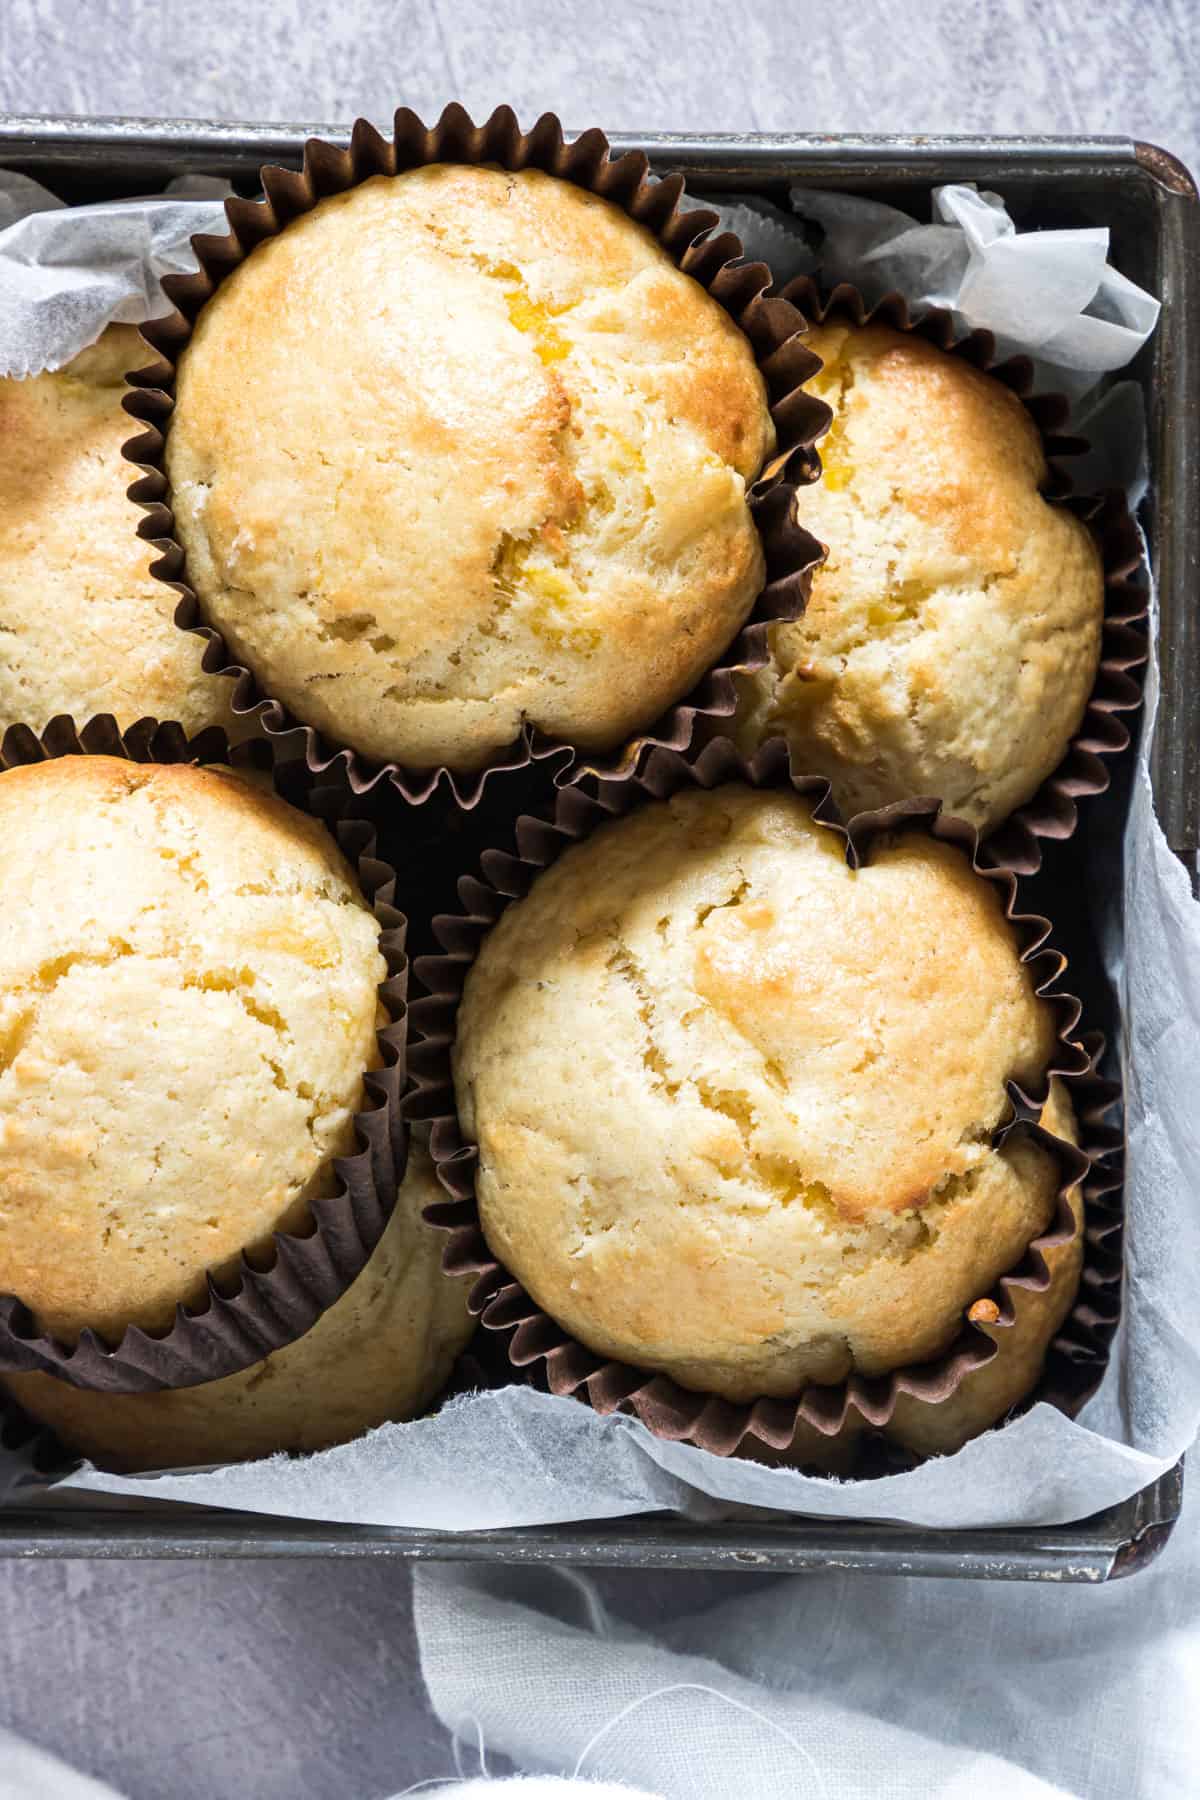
point(735, 1101)
point(188, 1001)
point(988, 1392)
point(383, 1351)
point(84, 628)
point(461, 450)
point(952, 639)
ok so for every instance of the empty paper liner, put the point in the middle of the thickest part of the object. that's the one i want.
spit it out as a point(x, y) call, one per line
point(825, 1421)
point(258, 1309)
point(773, 327)
point(1102, 733)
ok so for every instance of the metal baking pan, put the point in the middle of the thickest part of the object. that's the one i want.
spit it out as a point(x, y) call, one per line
point(1149, 202)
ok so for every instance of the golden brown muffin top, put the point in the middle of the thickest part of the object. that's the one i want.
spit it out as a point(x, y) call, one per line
point(953, 635)
point(460, 449)
point(84, 628)
point(188, 1000)
point(735, 1100)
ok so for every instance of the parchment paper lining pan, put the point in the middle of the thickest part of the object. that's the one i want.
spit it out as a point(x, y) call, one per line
point(773, 327)
point(1102, 733)
point(259, 1310)
point(822, 1414)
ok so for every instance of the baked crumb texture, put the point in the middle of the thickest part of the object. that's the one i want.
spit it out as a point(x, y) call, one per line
point(462, 450)
point(84, 627)
point(736, 1105)
point(953, 636)
point(188, 1002)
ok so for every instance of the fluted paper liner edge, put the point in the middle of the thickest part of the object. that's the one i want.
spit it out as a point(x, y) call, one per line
point(552, 1358)
point(259, 1310)
point(773, 327)
point(1051, 813)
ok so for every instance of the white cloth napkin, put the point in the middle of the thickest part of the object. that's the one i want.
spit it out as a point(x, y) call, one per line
point(831, 1686)
point(30, 1774)
point(531, 1787)
point(27, 1773)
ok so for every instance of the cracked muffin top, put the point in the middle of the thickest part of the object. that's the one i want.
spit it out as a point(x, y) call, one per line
point(382, 1351)
point(460, 450)
point(735, 1100)
point(188, 1000)
point(84, 626)
point(953, 635)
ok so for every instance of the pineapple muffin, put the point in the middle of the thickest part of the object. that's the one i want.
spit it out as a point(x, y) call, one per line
point(461, 450)
point(188, 1001)
point(953, 636)
point(84, 627)
point(383, 1351)
point(735, 1101)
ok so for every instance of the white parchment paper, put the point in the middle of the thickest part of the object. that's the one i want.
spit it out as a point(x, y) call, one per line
point(68, 271)
point(517, 1457)
point(1049, 294)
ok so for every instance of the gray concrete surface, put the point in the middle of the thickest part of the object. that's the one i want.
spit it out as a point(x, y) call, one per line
point(298, 1681)
point(1001, 65)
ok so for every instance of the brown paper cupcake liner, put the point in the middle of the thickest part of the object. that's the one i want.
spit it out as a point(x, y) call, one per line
point(32, 1455)
point(551, 1357)
point(773, 327)
point(260, 1309)
point(1102, 733)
